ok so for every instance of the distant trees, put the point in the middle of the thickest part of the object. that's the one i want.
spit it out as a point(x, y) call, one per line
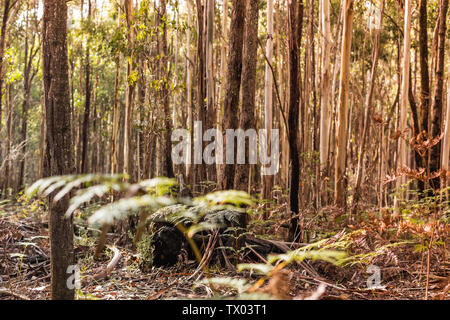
point(140, 69)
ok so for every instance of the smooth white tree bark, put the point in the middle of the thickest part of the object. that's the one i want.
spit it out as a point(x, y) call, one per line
point(342, 125)
point(402, 151)
point(325, 115)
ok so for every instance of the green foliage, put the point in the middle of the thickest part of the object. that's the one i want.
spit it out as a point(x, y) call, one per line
point(158, 194)
point(237, 285)
point(332, 256)
point(111, 213)
point(145, 250)
point(232, 197)
point(100, 185)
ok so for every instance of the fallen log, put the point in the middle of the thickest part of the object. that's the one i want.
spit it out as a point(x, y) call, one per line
point(169, 228)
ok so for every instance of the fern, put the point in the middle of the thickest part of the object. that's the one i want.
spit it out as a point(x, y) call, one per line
point(100, 185)
point(332, 256)
point(44, 187)
point(120, 209)
point(238, 285)
point(227, 198)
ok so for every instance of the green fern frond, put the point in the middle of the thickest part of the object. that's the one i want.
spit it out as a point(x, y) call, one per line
point(232, 197)
point(44, 187)
point(332, 256)
point(158, 186)
point(259, 268)
point(120, 209)
point(367, 258)
point(239, 285)
point(86, 196)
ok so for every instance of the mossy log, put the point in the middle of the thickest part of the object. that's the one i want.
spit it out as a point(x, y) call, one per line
point(166, 241)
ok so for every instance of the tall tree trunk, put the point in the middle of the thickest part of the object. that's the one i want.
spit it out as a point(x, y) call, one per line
point(234, 68)
point(325, 114)
point(436, 125)
point(268, 94)
point(402, 151)
point(59, 160)
point(342, 126)
point(87, 104)
point(42, 134)
point(129, 92)
point(96, 130)
point(167, 148)
point(424, 80)
point(200, 174)
point(6, 13)
point(446, 138)
point(116, 113)
point(223, 53)
point(223, 75)
point(189, 171)
point(210, 83)
point(295, 12)
point(248, 83)
point(141, 95)
point(8, 140)
point(116, 116)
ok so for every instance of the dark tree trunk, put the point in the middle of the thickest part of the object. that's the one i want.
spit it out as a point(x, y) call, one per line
point(87, 111)
point(424, 81)
point(59, 159)
point(167, 165)
point(141, 92)
point(96, 131)
point(295, 33)
point(416, 126)
point(210, 83)
point(231, 105)
point(247, 116)
point(200, 173)
point(424, 77)
point(436, 125)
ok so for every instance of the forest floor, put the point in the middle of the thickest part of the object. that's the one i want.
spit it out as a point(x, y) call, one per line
point(25, 268)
